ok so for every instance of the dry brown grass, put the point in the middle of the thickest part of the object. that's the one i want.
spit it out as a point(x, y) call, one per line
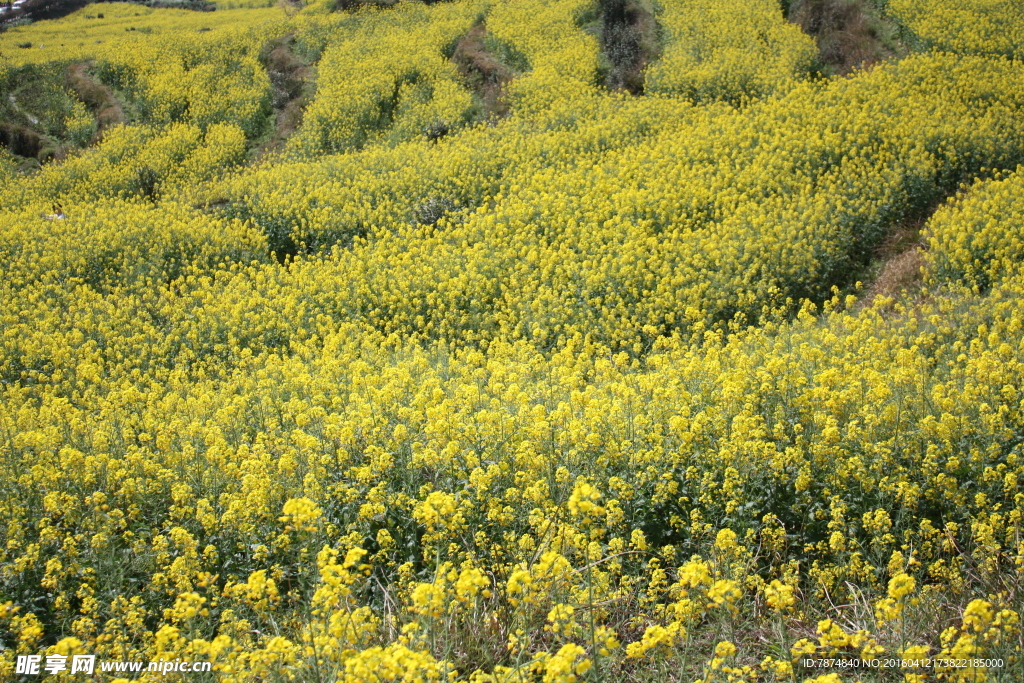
point(98, 97)
point(482, 71)
point(899, 262)
point(849, 33)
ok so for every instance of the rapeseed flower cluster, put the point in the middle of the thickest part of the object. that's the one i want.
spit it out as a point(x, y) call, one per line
point(384, 79)
point(984, 27)
point(721, 50)
point(977, 237)
point(124, 27)
point(573, 395)
point(564, 61)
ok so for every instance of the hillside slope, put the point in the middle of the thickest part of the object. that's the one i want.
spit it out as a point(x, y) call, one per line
point(469, 341)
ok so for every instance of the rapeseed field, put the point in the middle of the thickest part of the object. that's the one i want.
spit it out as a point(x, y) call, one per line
point(315, 368)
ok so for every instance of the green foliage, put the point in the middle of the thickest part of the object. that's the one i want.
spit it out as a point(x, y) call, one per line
point(35, 98)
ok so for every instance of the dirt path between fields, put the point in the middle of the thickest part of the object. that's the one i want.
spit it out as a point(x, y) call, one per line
point(850, 34)
point(99, 98)
point(483, 72)
point(630, 41)
point(292, 84)
point(27, 142)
